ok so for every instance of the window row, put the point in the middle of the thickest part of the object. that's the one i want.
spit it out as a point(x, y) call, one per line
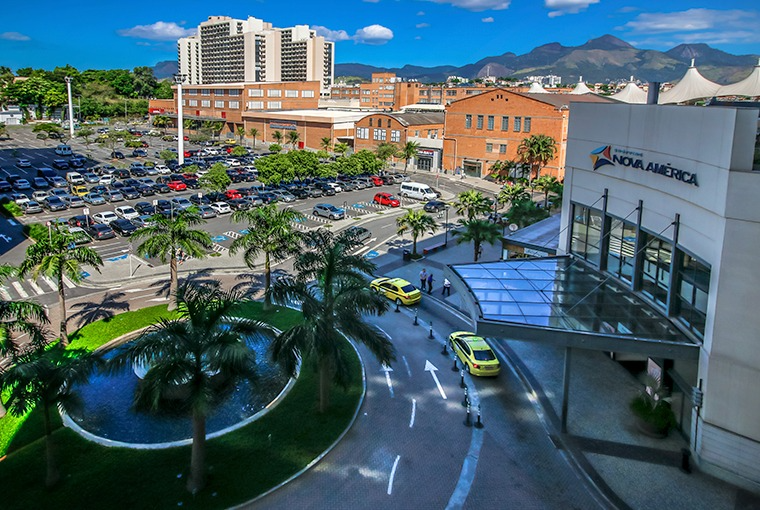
point(278, 93)
point(518, 123)
point(259, 105)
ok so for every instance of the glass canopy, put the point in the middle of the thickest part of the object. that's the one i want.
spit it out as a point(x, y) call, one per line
point(562, 293)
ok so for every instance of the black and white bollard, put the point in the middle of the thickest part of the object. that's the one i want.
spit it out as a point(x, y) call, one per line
point(397, 308)
point(430, 335)
point(454, 368)
point(415, 318)
point(461, 379)
point(445, 350)
point(466, 401)
point(468, 420)
point(479, 424)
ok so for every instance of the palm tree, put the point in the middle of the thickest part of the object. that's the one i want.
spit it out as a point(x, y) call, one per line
point(416, 222)
point(525, 212)
point(277, 137)
point(326, 143)
point(241, 133)
point(169, 237)
point(341, 148)
point(189, 124)
point(537, 151)
point(271, 232)
point(45, 377)
point(254, 133)
point(57, 256)
point(384, 151)
point(293, 138)
point(409, 151)
point(204, 351)
point(331, 287)
point(511, 193)
point(478, 232)
point(546, 184)
point(471, 203)
point(24, 317)
point(160, 122)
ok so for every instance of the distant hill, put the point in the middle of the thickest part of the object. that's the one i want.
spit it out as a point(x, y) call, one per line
point(165, 69)
point(604, 58)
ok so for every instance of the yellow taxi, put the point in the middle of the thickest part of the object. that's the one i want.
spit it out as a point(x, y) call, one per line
point(397, 289)
point(79, 190)
point(474, 353)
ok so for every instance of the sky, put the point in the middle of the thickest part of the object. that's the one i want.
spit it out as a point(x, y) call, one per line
point(383, 33)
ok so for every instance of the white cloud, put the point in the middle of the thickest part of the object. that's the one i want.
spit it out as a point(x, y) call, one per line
point(422, 25)
point(476, 5)
point(489, 19)
point(14, 36)
point(158, 31)
point(418, 38)
point(421, 13)
point(567, 6)
point(331, 35)
point(710, 26)
point(371, 1)
point(373, 34)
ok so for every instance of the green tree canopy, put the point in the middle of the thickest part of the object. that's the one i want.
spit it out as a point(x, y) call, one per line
point(216, 179)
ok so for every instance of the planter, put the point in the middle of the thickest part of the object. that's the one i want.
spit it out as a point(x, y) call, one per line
point(650, 429)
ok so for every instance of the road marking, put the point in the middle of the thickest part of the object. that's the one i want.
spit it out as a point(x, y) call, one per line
point(20, 289)
point(429, 367)
point(159, 299)
point(68, 283)
point(12, 222)
point(393, 474)
point(388, 380)
point(388, 225)
point(36, 288)
point(129, 291)
point(414, 412)
point(50, 283)
point(4, 294)
point(406, 364)
point(360, 250)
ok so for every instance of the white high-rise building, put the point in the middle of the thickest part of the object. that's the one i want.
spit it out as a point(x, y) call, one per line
point(228, 50)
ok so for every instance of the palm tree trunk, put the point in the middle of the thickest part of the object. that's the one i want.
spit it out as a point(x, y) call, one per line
point(414, 245)
point(477, 249)
point(53, 475)
point(62, 305)
point(173, 282)
point(324, 386)
point(197, 479)
point(267, 281)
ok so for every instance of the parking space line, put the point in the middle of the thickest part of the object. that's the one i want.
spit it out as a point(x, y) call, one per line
point(68, 283)
point(36, 288)
point(20, 289)
point(4, 294)
point(50, 282)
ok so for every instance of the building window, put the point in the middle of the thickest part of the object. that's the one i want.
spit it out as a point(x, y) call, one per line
point(433, 133)
point(274, 93)
point(417, 133)
point(378, 134)
point(370, 122)
point(206, 103)
point(621, 249)
point(490, 122)
point(307, 93)
point(587, 232)
point(693, 288)
point(255, 105)
point(505, 123)
point(395, 135)
point(489, 147)
point(518, 122)
point(468, 121)
point(218, 92)
point(205, 92)
point(218, 104)
point(389, 123)
point(235, 92)
point(451, 92)
point(291, 93)
point(192, 92)
point(655, 277)
point(255, 93)
point(274, 105)
point(362, 133)
point(480, 122)
point(192, 102)
point(503, 148)
point(234, 105)
point(526, 125)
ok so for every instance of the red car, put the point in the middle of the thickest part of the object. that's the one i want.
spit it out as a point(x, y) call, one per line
point(233, 194)
point(377, 181)
point(386, 199)
point(177, 185)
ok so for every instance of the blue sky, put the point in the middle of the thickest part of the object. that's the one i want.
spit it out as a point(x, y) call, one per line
point(386, 33)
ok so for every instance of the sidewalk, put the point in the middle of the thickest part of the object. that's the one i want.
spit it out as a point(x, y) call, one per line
point(629, 469)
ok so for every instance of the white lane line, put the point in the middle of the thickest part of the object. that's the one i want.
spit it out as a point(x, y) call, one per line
point(12, 222)
point(360, 250)
point(68, 283)
point(388, 380)
point(159, 299)
point(20, 289)
point(414, 412)
point(130, 291)
point(36, 288)
point(393, 474)
point(4, 294)
point(406, 364)
point(50, 283)
point(389, 225)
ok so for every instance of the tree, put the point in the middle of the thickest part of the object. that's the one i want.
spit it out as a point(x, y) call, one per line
point(254, 133)
point(275, 147)
point(271, 232)
point(170, 237)
point(85, 134)
point(326, 143)
point(546, 184)
point(216, 179)
point(57, 256)
point(537, 151)
point(511, 193)
point(471, 203)
point(161, 122)
point(384, 151)
point(241, 133)
point(340, 148)
point(525, 212)
point(331, 287)
point(293, 138)
point(277, 137)
point(409, 151)
point(20, 316)
point(204, 351)
point(46, 377)
point(477, 232)
point(416, 222)
point(167, 155)
point(3, 130)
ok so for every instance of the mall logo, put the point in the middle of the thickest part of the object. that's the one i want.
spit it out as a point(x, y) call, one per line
point(607, 155)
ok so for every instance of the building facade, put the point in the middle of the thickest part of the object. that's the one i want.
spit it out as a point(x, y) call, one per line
point(228, 50)
point(661, 199)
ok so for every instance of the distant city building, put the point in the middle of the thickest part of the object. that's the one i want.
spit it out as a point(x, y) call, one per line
point(550, 80)
point(228, 50)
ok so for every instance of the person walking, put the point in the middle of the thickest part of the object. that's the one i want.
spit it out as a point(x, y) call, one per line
point(430, 282)
point(423, 279)
point(446, 287)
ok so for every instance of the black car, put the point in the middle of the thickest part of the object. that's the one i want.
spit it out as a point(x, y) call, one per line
point(53, 203)
point(326, 189)
point(239, 204)
point(139, 171)
point(140, 153)
point(117, 155)
point(200, 200)
point(76, 163)
point(132, 182)
point(160, 187)
point(6, 186)
point(299, 193)
point(130, 193)
point(145, 190)
point(37, 183)
point(192, 183)
point(435, 206)
point(61, 164)
point(145, 208)
point(267, 197)
point(121, 173)
point(123, 227)
point(234, 176)
point(388, 179)
point(81, 220)
point(100, 231)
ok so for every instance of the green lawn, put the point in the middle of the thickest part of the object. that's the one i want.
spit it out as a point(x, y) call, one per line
point(242, 464)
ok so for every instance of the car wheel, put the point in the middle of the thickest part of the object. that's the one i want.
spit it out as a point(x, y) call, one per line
point(398, 301)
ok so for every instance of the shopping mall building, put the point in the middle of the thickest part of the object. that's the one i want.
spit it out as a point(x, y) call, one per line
point(657, 259)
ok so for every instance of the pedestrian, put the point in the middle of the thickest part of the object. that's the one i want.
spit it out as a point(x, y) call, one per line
point(423, 279)
point(480, 251)
point(446, 287)
point(430, 282)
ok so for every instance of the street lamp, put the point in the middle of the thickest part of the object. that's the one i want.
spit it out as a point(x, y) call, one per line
point(446, 236)
point(67, 79)
point(179, 79)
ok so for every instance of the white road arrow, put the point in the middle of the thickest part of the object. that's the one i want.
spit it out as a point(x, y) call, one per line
point(388, 371)
point(429, 367)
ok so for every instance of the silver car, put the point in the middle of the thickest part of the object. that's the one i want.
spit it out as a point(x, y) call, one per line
point(329, 211)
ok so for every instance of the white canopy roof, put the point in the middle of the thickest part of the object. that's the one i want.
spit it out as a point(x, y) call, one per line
point(692, 86)
point(631, 94)
point(536, 88)
point(581, 88)
point(749, 86)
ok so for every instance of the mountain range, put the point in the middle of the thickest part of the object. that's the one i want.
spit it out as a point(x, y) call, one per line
point(598, 60)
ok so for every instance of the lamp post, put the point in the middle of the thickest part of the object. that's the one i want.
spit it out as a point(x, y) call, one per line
point(67, 79)
point(446, 235)
point(179, 79)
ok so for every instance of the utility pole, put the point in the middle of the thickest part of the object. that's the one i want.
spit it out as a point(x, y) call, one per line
point(179, 79)
point(67, 79)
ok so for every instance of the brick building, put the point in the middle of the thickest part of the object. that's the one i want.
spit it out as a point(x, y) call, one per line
point(426, 129)
point(485, 128)
point(311, 125)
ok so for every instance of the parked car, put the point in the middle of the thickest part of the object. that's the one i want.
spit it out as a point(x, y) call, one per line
point(176, 185)
point(73, 201)
point(435, 206)
point(145, 208)
point(117, 155)
point(329, 211)
point(23, 163)
point(105, 217)
point(140, 153)
point(37, 183)
point(206, 212)
point(360, 234)
point(113, 196)
point(123, 227)
point(181, 203)
point(31, 207)
point(5, 186)
point(21, 185)
point(80, 220)
point(386, 199)
point(130, 193)
point(61, 164)
point(100, 231)
point(221, 207)
point(53, 203)
point(126, 211)
point(39, 195)
point(284, 196)
point(94, 199)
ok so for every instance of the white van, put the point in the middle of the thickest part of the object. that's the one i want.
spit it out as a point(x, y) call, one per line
point(74, 178)
point(417, 190)
point(63, 150)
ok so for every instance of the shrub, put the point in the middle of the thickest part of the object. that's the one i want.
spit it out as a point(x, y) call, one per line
point(11, 209)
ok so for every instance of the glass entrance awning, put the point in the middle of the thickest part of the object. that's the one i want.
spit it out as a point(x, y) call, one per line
point(563, 301)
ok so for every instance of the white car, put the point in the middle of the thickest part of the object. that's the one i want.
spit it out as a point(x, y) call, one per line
point(38, 196)
point(106, 180)
point(23, 163)
point(335, 186)
point(127, 212)
point(221, 207)
point(163, 169)
point(104, 217)
point(233, 162)
point(21, 198)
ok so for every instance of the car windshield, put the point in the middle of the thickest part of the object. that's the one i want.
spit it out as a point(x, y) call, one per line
point(485, 355)
point(408, 288)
